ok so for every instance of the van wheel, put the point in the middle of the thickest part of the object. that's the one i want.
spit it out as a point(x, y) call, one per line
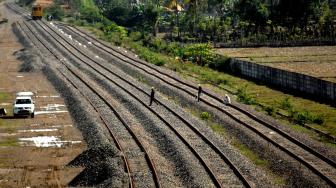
point(32, 115)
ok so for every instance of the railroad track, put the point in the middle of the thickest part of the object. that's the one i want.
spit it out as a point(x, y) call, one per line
point(98, 92)
point(216, 103)
point(222, 156)
point(128, 59)
point(312, 159)
point(197, 154)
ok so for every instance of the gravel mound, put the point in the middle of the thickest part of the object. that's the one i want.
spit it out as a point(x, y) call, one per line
point(99, 174)
point(95, 156)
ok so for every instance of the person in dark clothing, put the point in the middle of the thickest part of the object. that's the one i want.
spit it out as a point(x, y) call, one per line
point(199, 92)
point(152, 97)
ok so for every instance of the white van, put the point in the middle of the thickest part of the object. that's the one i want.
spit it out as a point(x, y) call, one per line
point(24, 104)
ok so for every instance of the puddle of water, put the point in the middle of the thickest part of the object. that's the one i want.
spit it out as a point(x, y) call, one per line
point(46, 96)
point(45, 141)
point(52, 107)
point(37, 130)
point(50, 112)
point(19, 76)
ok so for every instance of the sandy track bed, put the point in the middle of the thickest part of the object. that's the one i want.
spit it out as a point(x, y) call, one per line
point(33, 152)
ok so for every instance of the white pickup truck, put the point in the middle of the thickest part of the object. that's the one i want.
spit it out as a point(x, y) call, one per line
point(24, 104)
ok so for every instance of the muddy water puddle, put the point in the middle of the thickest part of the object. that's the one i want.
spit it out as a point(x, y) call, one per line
point(47, 96)
point(51, 109)
point(46, 141)
point(37, 130)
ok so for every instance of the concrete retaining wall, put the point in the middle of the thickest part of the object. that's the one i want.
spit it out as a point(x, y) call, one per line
point(316, 88)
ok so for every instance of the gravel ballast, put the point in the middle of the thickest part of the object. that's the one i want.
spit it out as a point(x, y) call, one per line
point(187, 169)
point(85, 119)
point(250, 140)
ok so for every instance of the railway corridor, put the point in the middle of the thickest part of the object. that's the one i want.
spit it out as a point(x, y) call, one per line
point(133, 144)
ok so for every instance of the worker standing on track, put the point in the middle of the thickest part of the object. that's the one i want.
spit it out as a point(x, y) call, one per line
point(199, 92)
point(152, 97)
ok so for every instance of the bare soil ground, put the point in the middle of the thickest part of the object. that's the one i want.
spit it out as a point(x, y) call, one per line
point(317, 61)
point(30, 163)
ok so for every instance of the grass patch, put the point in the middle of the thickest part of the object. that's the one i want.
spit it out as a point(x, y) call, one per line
point(250, 154)
point(9, 142)
point(4, 96)
point(219, 129)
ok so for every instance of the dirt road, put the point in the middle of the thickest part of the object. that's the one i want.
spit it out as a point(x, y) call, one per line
point(34, 152)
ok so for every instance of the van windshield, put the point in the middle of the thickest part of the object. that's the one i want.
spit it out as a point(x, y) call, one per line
point(23, 101)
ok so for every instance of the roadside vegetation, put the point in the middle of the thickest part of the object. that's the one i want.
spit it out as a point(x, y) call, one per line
point(181, 35)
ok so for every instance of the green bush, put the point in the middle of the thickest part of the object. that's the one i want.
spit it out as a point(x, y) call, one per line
point(286, 104)
point(304, 117)
point(270, 110)
point(319, 119)
point(301, 118)
point(158, 45)
point(175, 49)
point(205, 116)
point(200, 54)
point(55, 11)
point(114, 28)
point(135, 36)
point(115, 33)
point(147, 55)
point(245, 97)
point(219, 63)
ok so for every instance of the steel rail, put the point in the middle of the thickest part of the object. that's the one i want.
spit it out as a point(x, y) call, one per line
point(211, 95)
point(212, 145)
point(127, 166)
point(245, 182)
point(238, 120)
point(126, 162)
point(252, 116)
point(207, 168)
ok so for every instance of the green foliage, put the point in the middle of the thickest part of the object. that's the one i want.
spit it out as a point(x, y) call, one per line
point(135, 36)
point(270, 110)
point(25, 2)
point(205, 115)
point(304, 117)
point(55, 11)
point(200, 54)
point(286, 104)
point(219, 63)
point(115, 33)
point(244, 96)
point(148, 55)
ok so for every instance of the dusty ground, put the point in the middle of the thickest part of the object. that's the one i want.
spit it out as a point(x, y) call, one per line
point(26, 163)
point(317, 61)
